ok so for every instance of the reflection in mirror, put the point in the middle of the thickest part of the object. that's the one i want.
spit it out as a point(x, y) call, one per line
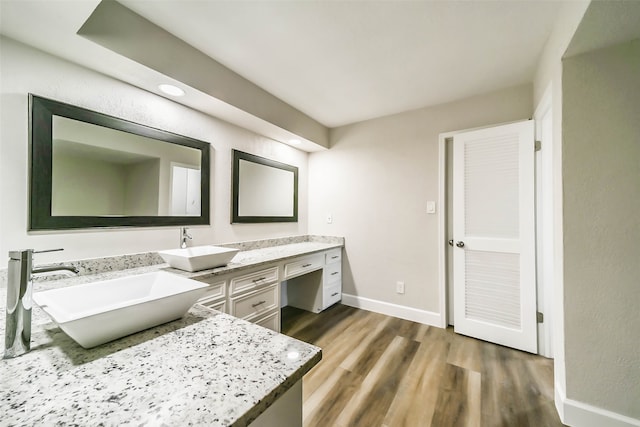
point(93, 170)
point(263, 190)
point(99, 171)
point(185, 189)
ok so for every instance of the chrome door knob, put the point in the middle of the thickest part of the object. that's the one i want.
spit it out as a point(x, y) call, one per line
point(460, 244)
point(451, 242)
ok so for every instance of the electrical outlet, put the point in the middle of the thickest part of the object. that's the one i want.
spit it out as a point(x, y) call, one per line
point(400, 287)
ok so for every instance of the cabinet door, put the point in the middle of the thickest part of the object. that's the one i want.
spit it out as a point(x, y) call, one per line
point(220, 305)
point(214, 297)
point(215, 291)
point(270, 321)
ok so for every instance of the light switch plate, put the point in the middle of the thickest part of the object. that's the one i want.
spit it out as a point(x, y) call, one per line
point(431, 207)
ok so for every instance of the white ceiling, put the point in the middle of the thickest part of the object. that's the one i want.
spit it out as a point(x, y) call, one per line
point(346, 61)
point(337, 61)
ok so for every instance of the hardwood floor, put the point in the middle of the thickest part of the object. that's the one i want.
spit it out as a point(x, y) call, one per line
point(378, 370)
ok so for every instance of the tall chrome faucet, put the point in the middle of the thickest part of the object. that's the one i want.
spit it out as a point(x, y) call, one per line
point(17, 339)
point(184, 235)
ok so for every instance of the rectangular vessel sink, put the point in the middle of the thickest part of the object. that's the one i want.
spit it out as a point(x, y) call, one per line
point(198, 258)
point(98, 312)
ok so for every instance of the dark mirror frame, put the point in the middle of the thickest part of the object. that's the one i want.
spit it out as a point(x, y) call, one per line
point(41, 115)
point(235, 217)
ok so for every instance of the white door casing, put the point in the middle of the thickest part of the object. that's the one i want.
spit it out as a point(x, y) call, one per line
point(494, 233)
point(448, 142)
point(545, 252)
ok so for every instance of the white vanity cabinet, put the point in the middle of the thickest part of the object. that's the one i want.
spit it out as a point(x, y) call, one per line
point(314, 282)
point(332, 278)
point(317, 290)
point(255, 296)
point(252, 296)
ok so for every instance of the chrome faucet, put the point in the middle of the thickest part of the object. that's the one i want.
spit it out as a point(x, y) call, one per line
point(184, 236)
point(17, 339)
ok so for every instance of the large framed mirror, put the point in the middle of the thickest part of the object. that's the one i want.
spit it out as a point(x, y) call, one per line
point(88, 169)
point(264, 190)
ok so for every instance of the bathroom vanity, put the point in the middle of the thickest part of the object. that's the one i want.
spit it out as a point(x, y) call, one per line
point(208, 368)
point(258, 282)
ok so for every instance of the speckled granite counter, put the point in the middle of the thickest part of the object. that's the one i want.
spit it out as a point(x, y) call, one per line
point(205, 369)
point(253, 253)
point(258, 257)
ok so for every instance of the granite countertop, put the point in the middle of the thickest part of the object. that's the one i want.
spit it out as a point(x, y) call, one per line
point(258, 257)
point(207, 368)
point(249, 256)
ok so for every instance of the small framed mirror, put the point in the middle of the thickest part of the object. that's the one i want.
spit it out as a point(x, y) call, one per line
point(264, 190)
point(89, 169)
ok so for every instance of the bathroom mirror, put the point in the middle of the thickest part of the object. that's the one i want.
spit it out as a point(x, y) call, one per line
point(89, 169)
point(263, 190)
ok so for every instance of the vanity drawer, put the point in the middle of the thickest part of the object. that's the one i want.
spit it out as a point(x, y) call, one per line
point(255, 303)
point(216, 304)
point(215, 291)
point(331, 295)
point(270, 321)
point(303, 265)
point(334, 255)
point(332, 273)
point(253, 280)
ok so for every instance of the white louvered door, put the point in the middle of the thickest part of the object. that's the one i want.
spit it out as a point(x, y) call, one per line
point(494, 234)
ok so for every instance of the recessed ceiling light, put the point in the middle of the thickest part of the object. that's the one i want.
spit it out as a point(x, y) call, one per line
point(171, 90)
point(295, 142)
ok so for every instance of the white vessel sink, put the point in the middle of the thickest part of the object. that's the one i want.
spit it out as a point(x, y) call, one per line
point(198, 258)
point(98, 312)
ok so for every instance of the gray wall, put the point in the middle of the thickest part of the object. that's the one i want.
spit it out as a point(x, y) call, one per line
point(548, 77)
point(26, 70)
point(82, 186)
point(376, 180)
point(601, 174)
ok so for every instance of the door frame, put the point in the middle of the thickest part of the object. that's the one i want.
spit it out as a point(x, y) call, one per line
point(544, 238)
point(544, 305)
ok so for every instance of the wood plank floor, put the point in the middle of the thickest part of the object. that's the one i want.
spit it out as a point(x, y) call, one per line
point(382, 371)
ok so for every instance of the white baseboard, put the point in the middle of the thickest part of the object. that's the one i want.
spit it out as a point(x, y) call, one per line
point(578, 414)
point(407, 313)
